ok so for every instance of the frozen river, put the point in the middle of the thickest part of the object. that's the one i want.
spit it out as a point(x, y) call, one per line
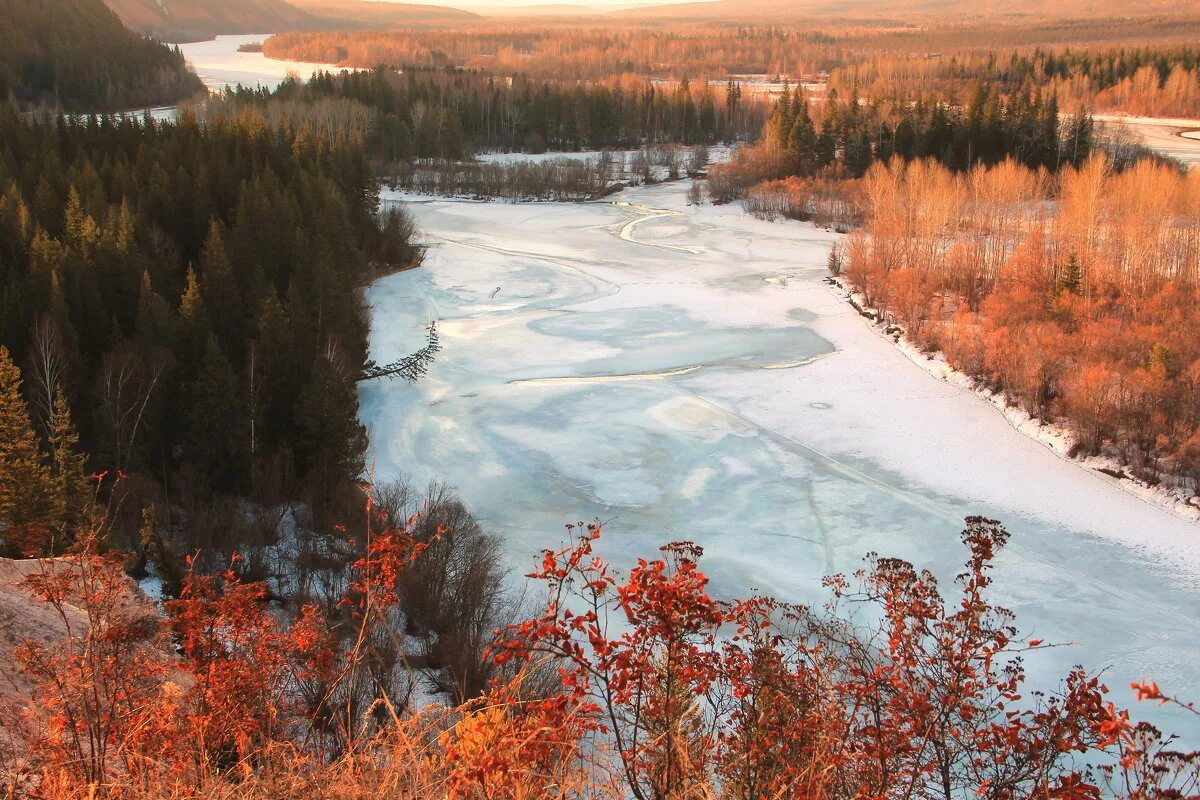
point(1174, 138)
point(686, 373)
point(220, 65)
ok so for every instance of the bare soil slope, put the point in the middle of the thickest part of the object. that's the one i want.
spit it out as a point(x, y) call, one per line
point(24, 618)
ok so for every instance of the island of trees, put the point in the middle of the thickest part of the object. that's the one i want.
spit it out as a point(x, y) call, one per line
point(452, 114)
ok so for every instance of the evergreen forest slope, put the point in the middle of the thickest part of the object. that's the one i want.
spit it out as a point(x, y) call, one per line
point(75, 55)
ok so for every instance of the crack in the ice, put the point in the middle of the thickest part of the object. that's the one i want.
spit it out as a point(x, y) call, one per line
point(647, 213)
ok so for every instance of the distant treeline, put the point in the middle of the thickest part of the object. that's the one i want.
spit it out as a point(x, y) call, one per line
point(845, 137)
point(1140, 80)
point(576, 52)
point(452, 114)
point(988, 129)
point(669, 50)
point(75, 55)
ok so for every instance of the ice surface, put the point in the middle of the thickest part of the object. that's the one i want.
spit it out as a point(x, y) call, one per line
point(729, 396)
point(1172, 137)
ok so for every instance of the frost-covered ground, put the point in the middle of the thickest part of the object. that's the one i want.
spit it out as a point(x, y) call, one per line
point(716, 152)
point(690, 375)
point(551, 155)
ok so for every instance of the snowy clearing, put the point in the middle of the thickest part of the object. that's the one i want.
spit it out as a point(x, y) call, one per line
point(693, 376)
point(551, 155)
point(716, 152)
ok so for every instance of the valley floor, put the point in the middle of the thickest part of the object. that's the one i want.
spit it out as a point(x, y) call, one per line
point(686, 372)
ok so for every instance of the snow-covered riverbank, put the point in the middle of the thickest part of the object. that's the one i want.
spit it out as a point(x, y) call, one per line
point(1174, 138)
point(691, 375)
point(1055, 435)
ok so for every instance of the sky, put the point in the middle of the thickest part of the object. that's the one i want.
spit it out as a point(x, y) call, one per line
point(601, 4)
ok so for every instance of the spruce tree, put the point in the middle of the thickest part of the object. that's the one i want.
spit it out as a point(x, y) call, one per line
point(216, 421)
point(26, 491)
point(802, 145)
point(826, 149)
point(167, 565)
point(80, 230)
point(1070, 280)
point(1161, 362)
point(68, 465)
point(1077, 145)
point(280, 382)
point(219, 289)
point(155, 323)
point(331, 443)
point(835, 261)
point(195, 327)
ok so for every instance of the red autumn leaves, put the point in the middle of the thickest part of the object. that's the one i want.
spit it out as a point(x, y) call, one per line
point(638, 685)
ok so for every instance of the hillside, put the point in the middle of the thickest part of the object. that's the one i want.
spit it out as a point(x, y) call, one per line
point(556, 10)
point(184, 20)
point(362, 13)
point(75, 55)
point(24, 618)
point(791, 10)
point(190, 20)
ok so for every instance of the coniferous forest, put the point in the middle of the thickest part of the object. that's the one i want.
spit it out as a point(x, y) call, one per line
point(845, 136)
point(74, 55)
point(446, 113)
point(1160, 80)
point(193, 294)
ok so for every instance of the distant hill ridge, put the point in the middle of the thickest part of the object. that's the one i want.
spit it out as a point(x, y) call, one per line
point(372, 13)
point(779, 10)
point(199, 19)
point(182, 20)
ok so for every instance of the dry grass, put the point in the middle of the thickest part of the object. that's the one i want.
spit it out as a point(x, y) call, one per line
point(430, 754)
